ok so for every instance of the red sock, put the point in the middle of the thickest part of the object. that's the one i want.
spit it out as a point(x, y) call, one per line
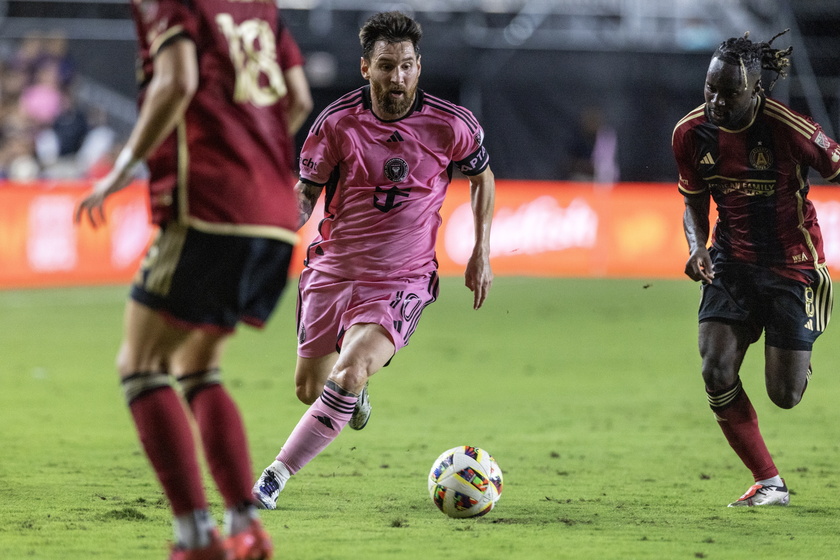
point(225, 443)
point(739, 423)
point(167, 438)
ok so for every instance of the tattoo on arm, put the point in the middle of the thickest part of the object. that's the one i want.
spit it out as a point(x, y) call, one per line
point(307, 195)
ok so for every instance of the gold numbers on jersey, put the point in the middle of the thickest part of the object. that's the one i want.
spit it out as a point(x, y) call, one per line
point(259, 79)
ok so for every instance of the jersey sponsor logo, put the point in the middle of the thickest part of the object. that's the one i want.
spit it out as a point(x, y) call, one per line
point(395, 137)
point(822, 141)
point(761, 158)
point(749, 188)
point(708, 159)
point(389, 201)
point(309, 164)
point(396, 169)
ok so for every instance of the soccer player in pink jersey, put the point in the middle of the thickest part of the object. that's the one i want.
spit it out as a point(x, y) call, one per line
point(383, 155)
point(222, 93)
point(765, 270)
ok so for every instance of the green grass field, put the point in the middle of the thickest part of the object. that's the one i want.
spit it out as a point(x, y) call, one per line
point(587, 392)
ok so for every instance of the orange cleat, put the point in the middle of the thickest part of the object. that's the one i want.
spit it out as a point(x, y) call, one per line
point(252, 544)
point(764, 495)
point(214, 551)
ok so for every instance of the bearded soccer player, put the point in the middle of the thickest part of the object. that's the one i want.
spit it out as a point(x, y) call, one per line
point(765, 269)
point(222, 93)
point(383, 155)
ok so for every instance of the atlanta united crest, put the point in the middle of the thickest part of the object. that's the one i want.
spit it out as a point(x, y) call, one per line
point(761, 158)
point(396, 169)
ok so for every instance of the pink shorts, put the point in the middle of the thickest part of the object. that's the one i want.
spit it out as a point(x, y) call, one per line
point(328, 306)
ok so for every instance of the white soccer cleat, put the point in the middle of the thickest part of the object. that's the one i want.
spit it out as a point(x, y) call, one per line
point(361, 414)
point(764, 495)
point(268, 487)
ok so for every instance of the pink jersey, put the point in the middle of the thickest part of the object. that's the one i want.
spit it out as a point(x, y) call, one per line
point(385, 182)
point(228, 166)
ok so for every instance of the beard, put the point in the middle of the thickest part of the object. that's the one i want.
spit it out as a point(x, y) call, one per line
point(393, 107)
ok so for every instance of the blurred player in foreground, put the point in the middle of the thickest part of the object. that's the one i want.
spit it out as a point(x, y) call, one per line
point(222, 92)
point(765, 269)
point(383, 155)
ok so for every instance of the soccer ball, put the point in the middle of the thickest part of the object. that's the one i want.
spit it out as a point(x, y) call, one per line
point(465, 481)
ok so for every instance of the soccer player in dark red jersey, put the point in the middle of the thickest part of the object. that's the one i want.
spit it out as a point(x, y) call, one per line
point(222, 92)
point(765, 269)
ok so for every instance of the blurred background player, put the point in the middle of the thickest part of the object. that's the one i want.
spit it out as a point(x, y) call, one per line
point(222, 94)
point(384, 156)
point(766, 268)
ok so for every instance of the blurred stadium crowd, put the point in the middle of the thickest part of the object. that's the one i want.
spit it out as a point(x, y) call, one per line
point(45, 132)
point(581, 90)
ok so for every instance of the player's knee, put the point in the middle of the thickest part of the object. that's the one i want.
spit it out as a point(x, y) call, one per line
point(141, 383)
point(193, 383)
point(125, 365)
point(718, 375)
point(785, 398)
point(308, 393)
point(130, 360)
point(350, 378)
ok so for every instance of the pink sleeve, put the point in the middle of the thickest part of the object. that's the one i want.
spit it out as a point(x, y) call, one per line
point(317, 156)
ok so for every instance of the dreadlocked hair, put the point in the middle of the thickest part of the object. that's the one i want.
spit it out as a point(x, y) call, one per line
point(755, 56)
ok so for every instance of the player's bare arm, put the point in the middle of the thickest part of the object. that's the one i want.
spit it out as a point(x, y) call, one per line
point(307, 195)
point(169, 93)
point(479, 276)
point(300, 98)
point(696, 227)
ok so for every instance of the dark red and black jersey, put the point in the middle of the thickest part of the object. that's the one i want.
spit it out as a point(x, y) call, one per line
point(228, 166)
point(758, 178)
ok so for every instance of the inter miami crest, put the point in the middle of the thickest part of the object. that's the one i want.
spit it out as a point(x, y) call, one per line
point(396, 169)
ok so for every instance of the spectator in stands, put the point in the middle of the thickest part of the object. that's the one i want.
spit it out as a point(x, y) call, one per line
point(42, 126)
point(17, 132)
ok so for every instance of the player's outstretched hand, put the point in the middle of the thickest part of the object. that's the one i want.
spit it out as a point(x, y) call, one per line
point(479, 279)
point(92, 205)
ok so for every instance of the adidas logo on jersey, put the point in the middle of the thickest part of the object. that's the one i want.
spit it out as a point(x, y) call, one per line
point(395, 137)
point(707, 159)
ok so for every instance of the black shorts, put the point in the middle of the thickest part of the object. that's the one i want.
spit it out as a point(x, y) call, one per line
point(791, 313)
point(212, 281)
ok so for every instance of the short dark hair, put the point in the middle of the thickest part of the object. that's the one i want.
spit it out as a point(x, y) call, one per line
point(754, 56)
point(392, 27)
